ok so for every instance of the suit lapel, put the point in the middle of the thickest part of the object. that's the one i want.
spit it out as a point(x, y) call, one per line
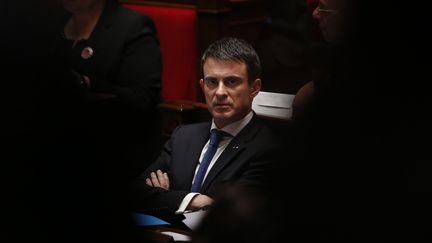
point(193, 153)
point(235, 147)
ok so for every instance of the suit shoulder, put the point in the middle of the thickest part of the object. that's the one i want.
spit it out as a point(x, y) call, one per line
point(132, 16)
point(133, 24)
point(192, 128)
point(265, 133)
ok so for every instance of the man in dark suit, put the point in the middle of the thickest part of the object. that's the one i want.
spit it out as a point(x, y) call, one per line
point(245, 156)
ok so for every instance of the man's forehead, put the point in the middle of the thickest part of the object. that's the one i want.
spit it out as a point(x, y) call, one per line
point(224, 69)
point(224, 65)
point(227, 76)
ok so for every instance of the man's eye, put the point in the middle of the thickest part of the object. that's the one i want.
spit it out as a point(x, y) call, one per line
point(232, 82)
point(211, 82)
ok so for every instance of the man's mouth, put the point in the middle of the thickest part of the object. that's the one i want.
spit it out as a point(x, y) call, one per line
point(220, 104)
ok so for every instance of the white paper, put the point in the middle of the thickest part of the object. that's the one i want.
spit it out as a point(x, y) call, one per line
point(193, 219)
point(273, 104)
point(177, 236)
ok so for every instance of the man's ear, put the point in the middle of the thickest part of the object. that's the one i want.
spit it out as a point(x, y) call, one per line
point(256, 87)
point(201, 82)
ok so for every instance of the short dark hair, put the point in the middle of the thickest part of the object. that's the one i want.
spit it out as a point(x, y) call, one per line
point(234, 49)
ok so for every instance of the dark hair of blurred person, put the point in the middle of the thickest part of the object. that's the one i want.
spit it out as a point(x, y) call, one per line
point(254, 215)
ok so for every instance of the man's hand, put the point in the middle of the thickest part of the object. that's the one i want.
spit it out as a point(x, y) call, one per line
point(200, 201)
point(158, 179)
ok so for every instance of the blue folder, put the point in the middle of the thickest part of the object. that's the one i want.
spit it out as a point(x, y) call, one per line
point(142, 219)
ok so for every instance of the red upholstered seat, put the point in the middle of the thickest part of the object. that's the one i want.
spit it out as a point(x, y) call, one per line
point(177, 31)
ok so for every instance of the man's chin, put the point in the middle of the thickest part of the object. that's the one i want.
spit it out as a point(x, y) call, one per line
point(222, 111)
point(221, 116)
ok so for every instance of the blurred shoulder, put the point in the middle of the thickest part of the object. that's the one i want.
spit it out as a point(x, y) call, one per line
point(131, 16)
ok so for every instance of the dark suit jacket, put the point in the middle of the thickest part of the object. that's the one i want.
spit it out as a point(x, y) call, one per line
point(250, 159)
point(115, 119)
point(126, 58)
point(125, 72)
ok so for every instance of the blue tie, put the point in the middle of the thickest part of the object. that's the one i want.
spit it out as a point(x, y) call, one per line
point(215, 136)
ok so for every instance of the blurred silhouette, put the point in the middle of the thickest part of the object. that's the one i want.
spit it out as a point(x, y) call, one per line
point(109, 103)
point(360, 122)
point(58, 185)
point(253, 215)
point(284, 45)
point(26, 31)
point(241, 215)
point(103, 110)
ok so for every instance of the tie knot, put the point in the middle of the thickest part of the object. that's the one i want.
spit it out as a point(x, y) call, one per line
point(216, 136)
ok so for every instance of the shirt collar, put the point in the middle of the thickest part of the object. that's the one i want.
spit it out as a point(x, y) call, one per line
point(235, 127)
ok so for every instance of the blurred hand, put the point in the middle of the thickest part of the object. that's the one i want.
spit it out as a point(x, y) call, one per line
point(200, 201)
point(158, 179)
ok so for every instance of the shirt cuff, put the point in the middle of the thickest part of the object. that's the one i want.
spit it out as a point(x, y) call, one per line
point(185, 202)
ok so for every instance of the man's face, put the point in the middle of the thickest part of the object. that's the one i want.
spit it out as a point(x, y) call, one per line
point(227, 90)
point(328, 16)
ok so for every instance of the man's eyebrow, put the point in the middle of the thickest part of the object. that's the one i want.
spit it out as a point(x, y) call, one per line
point(224, 78)
point(232, 77)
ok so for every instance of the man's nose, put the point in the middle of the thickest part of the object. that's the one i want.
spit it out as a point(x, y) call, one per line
point(221, 89)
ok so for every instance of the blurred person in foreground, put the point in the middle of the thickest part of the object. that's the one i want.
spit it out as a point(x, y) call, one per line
point(96, 117)
point(360, 121)
point(105, 99)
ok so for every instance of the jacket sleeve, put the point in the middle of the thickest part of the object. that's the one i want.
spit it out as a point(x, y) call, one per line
point(154, 200)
